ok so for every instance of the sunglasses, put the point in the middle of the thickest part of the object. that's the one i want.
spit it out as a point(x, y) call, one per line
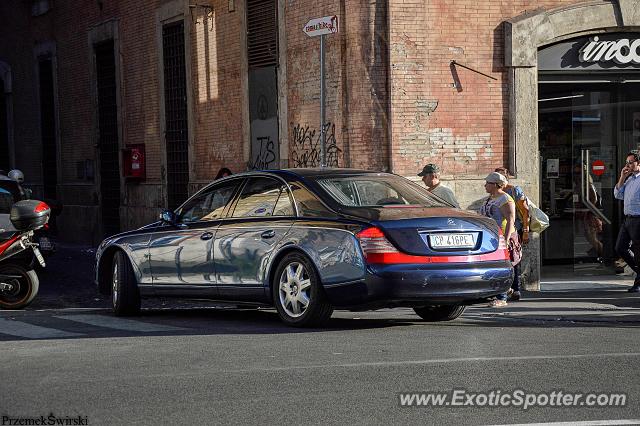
point(630, 162)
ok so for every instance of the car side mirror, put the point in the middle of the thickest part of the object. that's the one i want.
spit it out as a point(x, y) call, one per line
point(167, 216)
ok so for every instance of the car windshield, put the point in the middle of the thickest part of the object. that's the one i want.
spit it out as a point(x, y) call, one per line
point(9, 194)
point(378, 191)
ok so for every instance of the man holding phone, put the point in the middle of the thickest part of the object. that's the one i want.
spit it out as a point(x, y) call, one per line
point(628, 190)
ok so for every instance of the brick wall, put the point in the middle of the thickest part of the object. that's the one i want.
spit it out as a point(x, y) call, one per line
point(16, 47)
point(216, 66)
point(444, 114)
point(388, 75)
point(356, 78)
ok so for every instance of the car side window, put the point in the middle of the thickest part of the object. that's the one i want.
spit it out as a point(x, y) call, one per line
point(308, 204)
point(209, 205)
point(284, 206)
point(259, 197)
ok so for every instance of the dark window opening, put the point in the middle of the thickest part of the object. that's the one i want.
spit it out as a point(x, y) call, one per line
point(4, 131)
point(175, 93)
point(48, 129)
point(108, 137)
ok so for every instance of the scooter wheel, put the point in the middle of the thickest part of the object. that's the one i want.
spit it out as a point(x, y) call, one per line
point(20, 286)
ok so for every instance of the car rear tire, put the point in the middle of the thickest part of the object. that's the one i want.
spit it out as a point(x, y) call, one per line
point(298, 294)
point(125, 295)
point(439, 313)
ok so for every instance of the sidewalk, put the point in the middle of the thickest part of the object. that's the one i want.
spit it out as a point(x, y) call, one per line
point(595, 299)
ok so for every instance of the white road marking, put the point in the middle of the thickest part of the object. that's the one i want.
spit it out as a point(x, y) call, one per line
point(440, 361)
point(587, 423)
point(119, 323)
point(23, 329)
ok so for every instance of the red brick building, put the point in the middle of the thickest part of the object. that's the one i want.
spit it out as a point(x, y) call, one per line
point(196, 86)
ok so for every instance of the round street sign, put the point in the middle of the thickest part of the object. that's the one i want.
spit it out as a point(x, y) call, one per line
point(597, 167)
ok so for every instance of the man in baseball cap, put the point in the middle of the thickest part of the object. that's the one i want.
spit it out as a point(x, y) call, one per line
point(430, 175)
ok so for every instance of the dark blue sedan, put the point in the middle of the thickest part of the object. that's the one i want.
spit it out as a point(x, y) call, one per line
point(307, 241)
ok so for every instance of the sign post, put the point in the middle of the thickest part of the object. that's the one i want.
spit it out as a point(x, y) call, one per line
point(313, 28)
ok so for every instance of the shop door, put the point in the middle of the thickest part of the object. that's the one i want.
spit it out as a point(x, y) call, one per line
point(586, 129)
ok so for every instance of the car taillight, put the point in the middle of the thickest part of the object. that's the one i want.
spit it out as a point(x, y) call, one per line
point(42, 206)
point(372, 240)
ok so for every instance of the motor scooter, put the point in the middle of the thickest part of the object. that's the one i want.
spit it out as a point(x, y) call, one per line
point(18, 281)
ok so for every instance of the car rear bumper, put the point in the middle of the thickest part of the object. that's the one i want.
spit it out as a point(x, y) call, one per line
point(419, 285)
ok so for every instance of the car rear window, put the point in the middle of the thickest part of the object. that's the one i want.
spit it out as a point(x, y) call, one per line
point(378, 191)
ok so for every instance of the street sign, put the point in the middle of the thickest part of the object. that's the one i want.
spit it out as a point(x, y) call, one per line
point(321, 26)
point(597, 167)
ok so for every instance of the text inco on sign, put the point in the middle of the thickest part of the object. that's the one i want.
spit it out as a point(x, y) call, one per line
point(622, 52)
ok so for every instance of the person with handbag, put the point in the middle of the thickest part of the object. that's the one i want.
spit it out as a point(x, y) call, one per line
point(521, 224)
point(628, 190)
point(501, 208)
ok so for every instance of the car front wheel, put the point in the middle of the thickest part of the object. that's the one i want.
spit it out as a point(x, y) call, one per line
point(439, 313)
point(125, 296)
point(298, 294)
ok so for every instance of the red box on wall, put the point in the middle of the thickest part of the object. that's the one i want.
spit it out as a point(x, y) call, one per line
point(133, 162)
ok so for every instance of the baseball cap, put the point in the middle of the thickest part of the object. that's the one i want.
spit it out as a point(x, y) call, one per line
point(495, 177)
point(429, 168)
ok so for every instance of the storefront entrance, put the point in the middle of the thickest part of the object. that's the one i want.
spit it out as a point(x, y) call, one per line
point(587, 124)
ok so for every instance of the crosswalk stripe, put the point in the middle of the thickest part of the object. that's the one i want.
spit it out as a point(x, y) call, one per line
point(23, 329)
point(119, 323)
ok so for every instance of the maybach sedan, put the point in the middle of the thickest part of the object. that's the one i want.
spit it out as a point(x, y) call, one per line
point(307, 241)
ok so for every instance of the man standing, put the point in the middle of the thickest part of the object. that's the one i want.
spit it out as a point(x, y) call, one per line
point(628, 190)
point(431, 177)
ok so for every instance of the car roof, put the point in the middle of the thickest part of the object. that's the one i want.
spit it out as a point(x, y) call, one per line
point(310, 172)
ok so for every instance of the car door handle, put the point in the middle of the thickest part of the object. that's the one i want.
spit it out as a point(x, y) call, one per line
point(206, 236)
point(268, 234)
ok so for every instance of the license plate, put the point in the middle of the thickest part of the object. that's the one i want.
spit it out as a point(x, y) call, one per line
point(39, 256)
point(45, 244)
point(452, 240)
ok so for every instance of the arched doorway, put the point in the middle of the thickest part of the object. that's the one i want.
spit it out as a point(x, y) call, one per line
point(532, 115)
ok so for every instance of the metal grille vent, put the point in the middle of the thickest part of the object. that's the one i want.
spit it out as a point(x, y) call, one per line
point(262, 33)
point(175, 94)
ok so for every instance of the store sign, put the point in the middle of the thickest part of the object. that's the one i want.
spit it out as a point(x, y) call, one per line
point(622, 51)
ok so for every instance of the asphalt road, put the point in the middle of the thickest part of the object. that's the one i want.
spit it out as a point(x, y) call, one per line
point(228, 366)
point(194, 363)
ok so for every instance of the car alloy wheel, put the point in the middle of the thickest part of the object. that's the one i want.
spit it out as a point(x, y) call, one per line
point(295, 289)
point(298, 293)
point(115, 284)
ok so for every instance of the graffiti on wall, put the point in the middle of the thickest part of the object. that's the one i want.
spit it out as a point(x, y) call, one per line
point(264, 157)
point(305, 151)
